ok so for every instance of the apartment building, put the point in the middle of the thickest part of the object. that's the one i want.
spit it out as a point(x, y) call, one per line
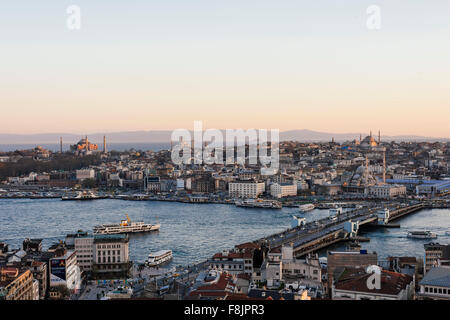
point(433, 253)
point(246, 189)
point(281, 190)
point(16, 284)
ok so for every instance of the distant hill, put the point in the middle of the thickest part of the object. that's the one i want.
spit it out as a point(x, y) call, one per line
point(155, 136)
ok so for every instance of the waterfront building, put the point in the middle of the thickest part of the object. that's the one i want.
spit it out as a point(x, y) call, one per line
point(111, 256)
point(433, 188)
point(387, 191)
point(246, 189)
point(435, 284)
point(281, 190)
point(17, 284)
point(83, 244)
point(152, 184)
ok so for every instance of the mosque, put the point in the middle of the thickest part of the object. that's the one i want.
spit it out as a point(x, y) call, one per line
point(84, 146)
point(369, 142)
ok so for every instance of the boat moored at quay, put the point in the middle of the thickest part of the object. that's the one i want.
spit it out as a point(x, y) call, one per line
point(82, 195)
point(126, 226)
point(258, 203)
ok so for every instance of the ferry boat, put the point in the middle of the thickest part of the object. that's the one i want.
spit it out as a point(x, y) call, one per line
point(303, 208)
point(82, 195)
point(422, 235)
point(126, 226)
point(259, 203)
point(158, 258)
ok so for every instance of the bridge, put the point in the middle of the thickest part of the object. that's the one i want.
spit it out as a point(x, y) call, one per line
point(315, 235)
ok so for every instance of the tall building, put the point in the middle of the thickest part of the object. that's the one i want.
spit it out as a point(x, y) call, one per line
point(64, 271)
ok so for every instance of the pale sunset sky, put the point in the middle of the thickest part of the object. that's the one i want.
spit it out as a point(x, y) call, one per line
point(285, 64)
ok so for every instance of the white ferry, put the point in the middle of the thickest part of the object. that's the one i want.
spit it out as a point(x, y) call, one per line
point(126, 226)
point(159, 258)
point(306, 207)
point(259, 203)
point(82, 195)
point(422, 235)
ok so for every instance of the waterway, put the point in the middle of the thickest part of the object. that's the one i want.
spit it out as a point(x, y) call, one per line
point(193, 231)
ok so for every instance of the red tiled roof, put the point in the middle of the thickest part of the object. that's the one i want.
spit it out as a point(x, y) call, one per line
point(232, 255)
point(391, 282)
point(219, 288)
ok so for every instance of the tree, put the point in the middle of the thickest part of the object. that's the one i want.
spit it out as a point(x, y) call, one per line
point(89, 183)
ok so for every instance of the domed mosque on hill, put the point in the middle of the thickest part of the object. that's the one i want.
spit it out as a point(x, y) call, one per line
point(369, 142)
point(84, 146)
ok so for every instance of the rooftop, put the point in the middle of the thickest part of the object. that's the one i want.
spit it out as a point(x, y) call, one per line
point(437, 276)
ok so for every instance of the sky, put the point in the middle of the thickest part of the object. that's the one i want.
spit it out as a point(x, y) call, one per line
point(285, 64)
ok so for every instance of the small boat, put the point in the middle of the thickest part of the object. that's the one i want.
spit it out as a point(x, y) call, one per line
point(159, 258)
point(303, 208)
point(422, 235)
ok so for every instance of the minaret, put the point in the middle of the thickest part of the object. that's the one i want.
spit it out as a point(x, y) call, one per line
point(104, 144)
point(87, 144)
point(366, 172)
point(384, 166)
point(379, 137)
point(60, 145)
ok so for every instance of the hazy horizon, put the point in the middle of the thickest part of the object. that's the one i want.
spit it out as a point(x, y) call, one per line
point(152, 65)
